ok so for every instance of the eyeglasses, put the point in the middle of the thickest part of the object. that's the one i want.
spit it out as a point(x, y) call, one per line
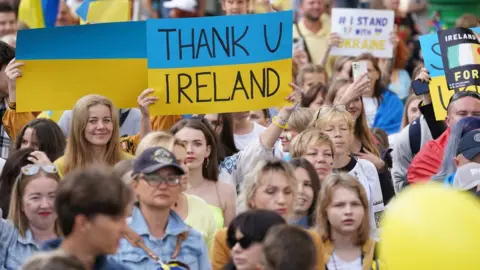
point(155, 180)
point(462, 94)
point(245, 242)
point(30, 170)
point(328, 108)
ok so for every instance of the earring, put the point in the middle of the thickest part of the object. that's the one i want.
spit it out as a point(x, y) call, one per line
point(208, 161)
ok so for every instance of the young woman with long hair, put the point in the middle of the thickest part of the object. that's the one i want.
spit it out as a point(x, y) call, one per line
point(343, 220)
point(94, 136)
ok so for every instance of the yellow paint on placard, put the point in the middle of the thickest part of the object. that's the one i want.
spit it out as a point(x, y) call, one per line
point(367, 44)
point(220, 89)
point(108, 11)
point(441, 95)
point(58, 84)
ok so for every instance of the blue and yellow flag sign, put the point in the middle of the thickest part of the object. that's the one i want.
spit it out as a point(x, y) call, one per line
point(62, 64)
point(220, 64)
point(435, 59)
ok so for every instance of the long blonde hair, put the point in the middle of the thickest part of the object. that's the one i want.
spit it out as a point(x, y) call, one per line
point(79, 153)
point(15, 213)
point(329, 185)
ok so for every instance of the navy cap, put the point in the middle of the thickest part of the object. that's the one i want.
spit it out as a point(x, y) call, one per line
point(154, 159)
point(469, 145)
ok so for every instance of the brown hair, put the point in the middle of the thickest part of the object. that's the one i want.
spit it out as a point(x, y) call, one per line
point(79, 153)
point(312, 93)
point(410, 99)
point(90, 192)
point(338, 66)
point(300, 119)
point(158, 138)
point(53, 260)
point(309, 68)
point(15, 213)
point(378, 88)
point(331, 183)
point(361, 130)
point(467, 20)
point(210, 170)
point(308, 138)
point(278, 254)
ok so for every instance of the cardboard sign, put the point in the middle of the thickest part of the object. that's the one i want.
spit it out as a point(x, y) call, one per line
point(220, 64)
point(439, 91)
point(460, 56)
point(363, 30)
point(201, 65)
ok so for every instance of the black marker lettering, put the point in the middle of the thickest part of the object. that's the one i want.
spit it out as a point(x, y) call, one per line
point(167, 86)
point(167, 39)
point(278, 40)
point(277, 76)
point(182, 88)
point(239, 80)
point(187, 45)
point(225, 44)
point(253, 80)
point(235, 42)
point(200, 44)
point(215, 98)
point(437, 53)
point(198, 86)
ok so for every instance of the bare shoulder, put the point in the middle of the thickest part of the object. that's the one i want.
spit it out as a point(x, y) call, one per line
point(225, 190)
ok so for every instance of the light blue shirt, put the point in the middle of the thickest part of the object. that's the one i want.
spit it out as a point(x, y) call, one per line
point(14, 249)
point(193, 251)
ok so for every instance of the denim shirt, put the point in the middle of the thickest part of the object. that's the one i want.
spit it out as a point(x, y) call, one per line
point(193, 251)
point(14, 249)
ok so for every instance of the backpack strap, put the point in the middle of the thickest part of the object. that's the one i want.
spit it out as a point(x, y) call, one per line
point(304, 43)
point(180, 238)
point(414, 136)
point(135, 240)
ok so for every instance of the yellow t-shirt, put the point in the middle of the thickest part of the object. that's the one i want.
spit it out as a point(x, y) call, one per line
point(200, 217)
point(60, 163)
point(317, 43)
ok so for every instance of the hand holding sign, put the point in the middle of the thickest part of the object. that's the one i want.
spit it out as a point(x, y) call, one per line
point(334, 40)
point(13, 71)
point(144, 101)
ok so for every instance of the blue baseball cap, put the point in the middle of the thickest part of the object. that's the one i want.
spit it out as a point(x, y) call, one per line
point(469, 145)
point(154, 159)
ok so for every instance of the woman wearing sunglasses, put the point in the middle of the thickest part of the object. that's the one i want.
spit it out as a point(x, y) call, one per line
point(245, 235)
point(31, 220)
point(162, 233)
point(270, 186)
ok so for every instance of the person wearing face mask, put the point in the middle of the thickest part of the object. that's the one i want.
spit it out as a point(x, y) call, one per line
point(343, 220)
point(308, 187)
point(31, 219)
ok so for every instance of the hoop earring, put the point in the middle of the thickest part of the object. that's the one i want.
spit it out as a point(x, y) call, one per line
point(208, 161)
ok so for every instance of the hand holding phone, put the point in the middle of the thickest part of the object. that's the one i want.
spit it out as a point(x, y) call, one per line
point(420, 87)
point(359, 68)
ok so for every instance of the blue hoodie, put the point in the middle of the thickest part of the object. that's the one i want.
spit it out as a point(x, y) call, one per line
point(101, 263)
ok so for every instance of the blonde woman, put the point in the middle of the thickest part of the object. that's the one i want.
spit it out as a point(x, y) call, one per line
point(192, 209)
point(338, 124)
point(316, 147)
point(298, 121)
point(270, 186)
point(31, 219)
point(343, 221)
point(94, 136)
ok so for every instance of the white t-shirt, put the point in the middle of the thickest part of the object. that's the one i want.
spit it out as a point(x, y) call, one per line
point(335, 263)
point(241, 141)
point(370, 105)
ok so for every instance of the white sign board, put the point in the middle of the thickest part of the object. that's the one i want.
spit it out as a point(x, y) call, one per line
point(363, 30)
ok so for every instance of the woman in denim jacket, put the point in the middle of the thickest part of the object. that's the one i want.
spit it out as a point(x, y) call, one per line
point(164, 235)
point(31, 219)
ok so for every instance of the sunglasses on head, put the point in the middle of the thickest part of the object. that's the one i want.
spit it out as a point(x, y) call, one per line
point(244, 242)
point(30, 170)
point(328, 108)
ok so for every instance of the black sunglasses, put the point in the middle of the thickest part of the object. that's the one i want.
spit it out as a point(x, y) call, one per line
point(244, 242)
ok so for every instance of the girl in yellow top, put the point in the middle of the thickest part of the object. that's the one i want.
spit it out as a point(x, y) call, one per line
point(343, 220)
point(94, 136)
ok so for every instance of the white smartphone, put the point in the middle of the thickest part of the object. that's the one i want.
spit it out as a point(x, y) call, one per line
point(359, 68)
point(298, 44)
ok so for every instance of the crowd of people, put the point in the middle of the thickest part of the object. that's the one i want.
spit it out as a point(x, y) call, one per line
point(303, 186)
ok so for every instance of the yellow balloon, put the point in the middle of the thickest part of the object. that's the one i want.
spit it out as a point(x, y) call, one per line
point(430, 226)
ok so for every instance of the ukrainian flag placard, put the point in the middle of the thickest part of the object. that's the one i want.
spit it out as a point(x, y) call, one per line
point(62, 64)
point(102, 11)
point(220, 64)
point(456, 56)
